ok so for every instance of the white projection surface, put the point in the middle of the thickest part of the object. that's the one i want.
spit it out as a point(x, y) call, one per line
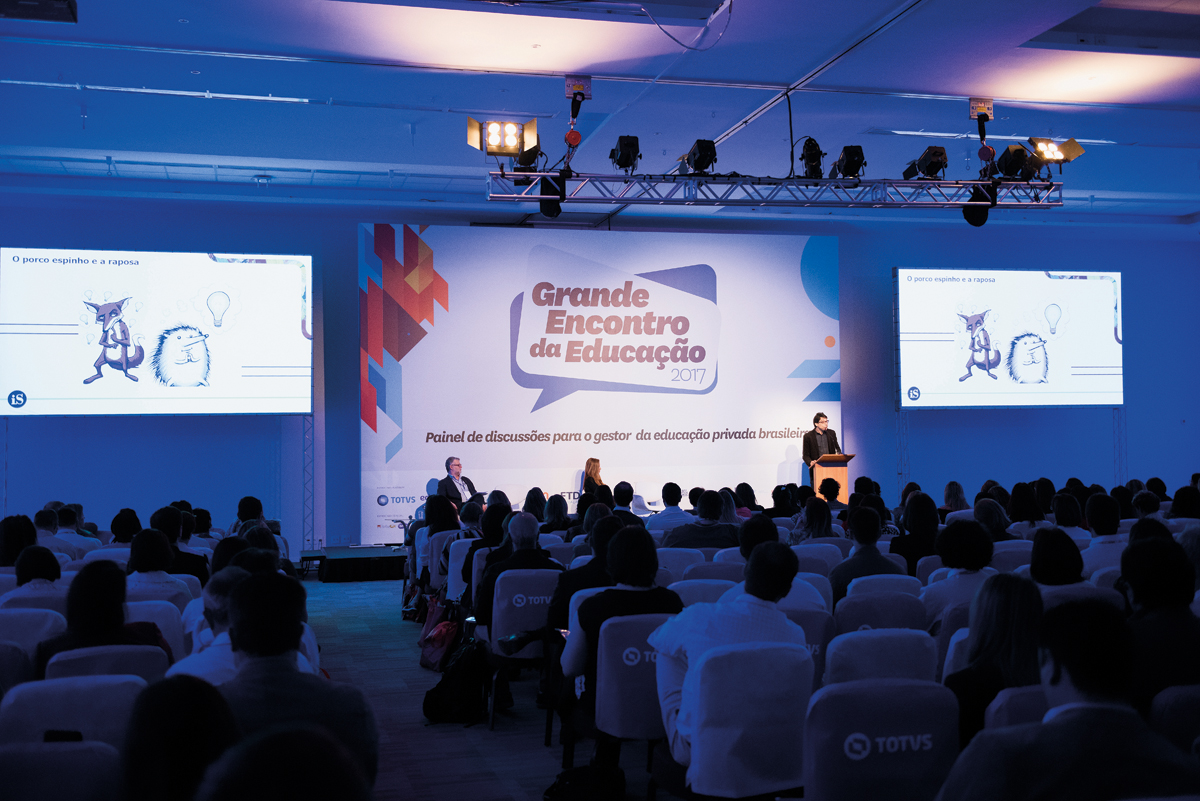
point(1008, 338)
point(86, 332)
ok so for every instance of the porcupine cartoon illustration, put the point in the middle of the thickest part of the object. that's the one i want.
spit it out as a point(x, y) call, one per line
point(114, 341)
point(1027, 361)
point(181, 357)
point(981, 346)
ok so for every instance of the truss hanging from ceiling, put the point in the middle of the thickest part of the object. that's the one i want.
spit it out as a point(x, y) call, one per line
point(720, 190)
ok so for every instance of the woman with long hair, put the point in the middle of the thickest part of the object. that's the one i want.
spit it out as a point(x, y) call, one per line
point(920, 524)
point(955, 500)
point(1025, 512)
point(591, 476)
point(557, 518)
point(817, 522)
point(535, 503)
point(729, 507)
point(1002, 652)
point(990, 514)
point(440, 515)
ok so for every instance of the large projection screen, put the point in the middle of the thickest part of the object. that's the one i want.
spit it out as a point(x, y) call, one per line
point(987, 338)
point(89, 332)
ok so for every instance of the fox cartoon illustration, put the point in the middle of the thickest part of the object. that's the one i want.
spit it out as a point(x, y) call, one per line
point(982, 354)
point(114, 341)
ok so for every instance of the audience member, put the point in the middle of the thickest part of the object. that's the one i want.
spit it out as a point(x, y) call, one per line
point(264, 539)
point(781, 503)
point(37, 570)
point(754, 532)
point(1145, 505)
point(535, 504)
point(1186, 504)
point(1149, 528)
point(293, 763)
point(866, 560)
point(149, 560)
point(1190, 540)
point(814, 521)
point(266, 612)
point(249, 514)
point(1158, 487)
point(746, 500)
point(203, 528)
point(583, 542)
point(1006, 614)
point(17, 532)
point(954, 500)
point(169, 521)
point(729, 508)
point(1055, 560)
point(582, 505)
point(557, 518)
point(989, 514)
point(124, 526)
point(469, 519)
point(633, 564)
point(1092, 743)
point(96, 616)
point(604, 495)
point(623, 497)
point(1166, 635)
point(829, 490)
point(1068, 516)
point(707, 531)
point(1106, 546)
point(920, 521)
point(194, 623)
point(694, 498)
point(1000, 495)
point(491, 527)
point(178, 728)
point(753, 617)
point(1043, 490)
point(671, 516)
point(1025, 512)
point(1124, 499)
point(68, 531)
point(966, 549)
point(526, 555)
point(594, 573)
point(440, 515)
point(886, 527)
point(46, 523)
point(225, 551)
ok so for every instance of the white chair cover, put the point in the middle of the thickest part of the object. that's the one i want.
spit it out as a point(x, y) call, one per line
point(28, 627)
point(97, 706)
point(884, 583)
point(61, 771)
point(163, 614)
point(146, 661)
point(454, 581)
point(695, 591)
point(881, 654)
point(956, 653)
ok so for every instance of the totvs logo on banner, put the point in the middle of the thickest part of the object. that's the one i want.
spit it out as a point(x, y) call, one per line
point(584, 326)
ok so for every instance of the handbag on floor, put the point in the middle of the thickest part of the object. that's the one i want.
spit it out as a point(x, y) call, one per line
point(438, 645)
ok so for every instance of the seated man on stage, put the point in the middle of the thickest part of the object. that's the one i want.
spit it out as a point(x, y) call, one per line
point(455, 486)
point(818, 442)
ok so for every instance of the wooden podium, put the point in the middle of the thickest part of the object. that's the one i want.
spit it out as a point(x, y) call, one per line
point(833, 465)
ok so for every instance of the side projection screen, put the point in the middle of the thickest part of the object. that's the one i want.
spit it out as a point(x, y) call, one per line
point(86, 332)
point(1008, 338)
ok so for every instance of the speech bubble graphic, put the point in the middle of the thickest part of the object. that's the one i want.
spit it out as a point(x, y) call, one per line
point(580, 325)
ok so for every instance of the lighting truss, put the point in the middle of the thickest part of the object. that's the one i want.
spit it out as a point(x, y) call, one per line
point(717, 190)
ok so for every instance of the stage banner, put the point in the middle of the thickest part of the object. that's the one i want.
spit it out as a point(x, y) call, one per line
point(694, 358)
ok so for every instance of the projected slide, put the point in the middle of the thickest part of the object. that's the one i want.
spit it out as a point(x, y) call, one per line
point(1009, 338)
point(116, 332)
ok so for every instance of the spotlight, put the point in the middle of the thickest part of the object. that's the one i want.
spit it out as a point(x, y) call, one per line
point(552, 186)
point(503, 137)
point(1012, 161)
point(849, 163)
point(978, 215)
point(932, 162)
point(626, 154)
point(702, 155)
point(811, 155)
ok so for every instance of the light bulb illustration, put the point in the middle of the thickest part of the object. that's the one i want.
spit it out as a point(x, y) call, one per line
point(218, 304)
point(1053, 315)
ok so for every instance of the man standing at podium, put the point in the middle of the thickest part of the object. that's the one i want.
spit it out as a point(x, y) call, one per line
point(818, 442)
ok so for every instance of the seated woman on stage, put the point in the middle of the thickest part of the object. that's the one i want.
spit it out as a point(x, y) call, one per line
point(591, 476)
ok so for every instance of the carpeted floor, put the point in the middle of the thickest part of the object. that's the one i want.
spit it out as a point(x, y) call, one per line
point(365, 643)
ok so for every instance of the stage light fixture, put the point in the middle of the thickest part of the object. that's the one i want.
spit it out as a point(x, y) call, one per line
point(978, 215)
point(702, 155)
point(503, 137)
point(558, 187)
point(931, 162)
point(849, 163)
point(626, 154)
point(1012, 161)
point(1055, 153)
point(811, 155)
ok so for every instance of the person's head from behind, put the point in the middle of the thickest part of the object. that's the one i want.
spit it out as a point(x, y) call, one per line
point(1066, 511)
point(523, 531)
point(863, 485)
point(535, 503)
point(671, 494)
point(262, 538)
point(1086, 653)
point(964, 545)
point(125, 524)
point(586, 499)
point(1158, 487)
point(755, 531)
point(266, 615)
point(864, 525)
point(1186, 503)
point(1006, 617)
point(1145, 503)
point(781, 498)
point(602, 533)
point(623, 494)
point(990, 514)
point(1055, 559)
point(217, 594)
point(45, 520)
point(178, 728)
point(256, 560)
point(37, 562)
point(829, 489)
point(955, 497)
point(556, 510)
point(876, 503)
point(604, 495)
point(297, 762)
point(492, 522)
point(818, 520)
point(1023, 506)
point(183, 506)
point(440, 514)
point(1159, 574)
point(17, 533)
point(1124, 501)
point(694, 496)
point(921, 515)
point(498, 498)
point(1149, 528)
point(770, 570)
point(595, 513)
point(150, 552)
point(68, 518)
point(729, 507)
point(1043, 489)
point(249, 509)
point(96, 600)
point(187, 526)
point(710, 505)
point(745, 496)
point(225, 550)
point(471, 514)
point(1103, 515)
point(632, 558)
point(169, 521)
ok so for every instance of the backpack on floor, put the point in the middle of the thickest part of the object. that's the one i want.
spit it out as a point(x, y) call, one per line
point(461, 695)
